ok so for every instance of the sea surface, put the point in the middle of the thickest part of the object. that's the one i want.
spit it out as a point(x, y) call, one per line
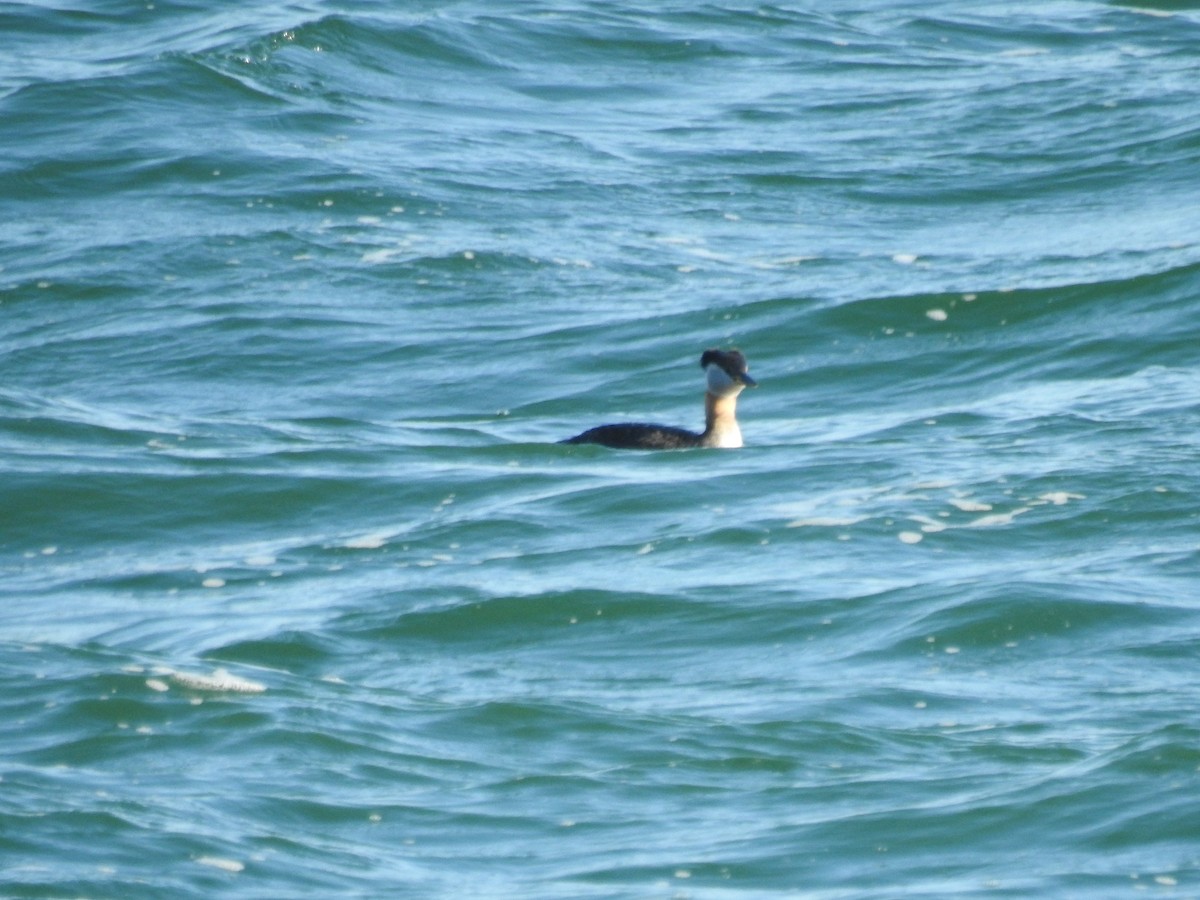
point(300, 596)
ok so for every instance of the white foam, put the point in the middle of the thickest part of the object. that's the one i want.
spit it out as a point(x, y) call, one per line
point(938, 315)
point(825, 522)
point(1060, 498)
point(964, 505)
point(999, 518)
point(225, 865)
point(367, 541)
point(383, 255)
point(220, 680)
point(928, 525)
point(911, 537)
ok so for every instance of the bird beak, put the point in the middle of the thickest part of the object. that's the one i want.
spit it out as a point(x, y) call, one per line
point(747, 380)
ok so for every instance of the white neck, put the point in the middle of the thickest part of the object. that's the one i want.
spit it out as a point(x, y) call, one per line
point(720, 420)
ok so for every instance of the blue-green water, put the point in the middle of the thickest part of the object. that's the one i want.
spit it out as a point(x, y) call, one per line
point(301, 597)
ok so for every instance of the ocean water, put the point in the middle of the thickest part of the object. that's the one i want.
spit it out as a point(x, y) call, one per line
point(302, 598)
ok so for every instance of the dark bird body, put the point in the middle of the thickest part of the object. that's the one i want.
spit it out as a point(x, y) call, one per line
point(640, 436)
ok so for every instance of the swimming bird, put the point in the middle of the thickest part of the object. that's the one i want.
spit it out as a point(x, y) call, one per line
point(726, 377)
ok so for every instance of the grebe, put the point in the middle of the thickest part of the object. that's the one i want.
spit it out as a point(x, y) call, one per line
point(725, 371)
